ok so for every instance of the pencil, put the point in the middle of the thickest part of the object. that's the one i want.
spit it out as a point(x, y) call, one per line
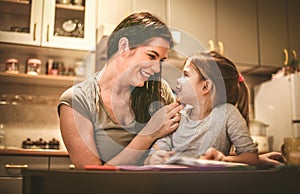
point(156, 147)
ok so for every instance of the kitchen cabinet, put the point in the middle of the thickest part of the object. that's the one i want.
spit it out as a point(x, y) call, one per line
point(273, 34)
point(48, 24)
point(237, 30)
point(278, 40)
point(157, 7)
point(110, 16)
point(220, 25)
point(195, 18)
point(293, 7)
point(60, 163)
point(10, 171)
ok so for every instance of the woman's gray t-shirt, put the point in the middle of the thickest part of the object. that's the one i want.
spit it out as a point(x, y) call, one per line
point(110, 137)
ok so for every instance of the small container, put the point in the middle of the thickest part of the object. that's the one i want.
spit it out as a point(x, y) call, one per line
point(41, 144)
point(27, 144)
point(2, 137)
point(33, 66)
point(12, 65)
point(53, 144)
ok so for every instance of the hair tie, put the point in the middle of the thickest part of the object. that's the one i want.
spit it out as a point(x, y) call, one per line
point(240, 78)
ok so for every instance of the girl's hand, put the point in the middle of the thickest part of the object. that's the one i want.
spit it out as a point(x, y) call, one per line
point(163, 122)
point(214, 154)
point(159, 157)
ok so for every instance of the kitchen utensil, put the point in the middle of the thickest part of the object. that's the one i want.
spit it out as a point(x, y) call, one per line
point(258, 134)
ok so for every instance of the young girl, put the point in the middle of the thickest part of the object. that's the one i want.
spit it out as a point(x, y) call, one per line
point(215, 116)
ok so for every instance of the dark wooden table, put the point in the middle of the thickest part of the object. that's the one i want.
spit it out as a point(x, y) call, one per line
point(272, 181)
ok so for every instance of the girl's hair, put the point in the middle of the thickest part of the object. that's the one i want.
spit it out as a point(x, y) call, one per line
point(226, 78)
point(138, 28)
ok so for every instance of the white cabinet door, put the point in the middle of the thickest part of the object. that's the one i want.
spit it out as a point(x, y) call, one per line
point(194, 17)
point(57, 18)
point(293, 7)
point(237, 30)
point(21, 22)
point(157, 7)
point(273, 34)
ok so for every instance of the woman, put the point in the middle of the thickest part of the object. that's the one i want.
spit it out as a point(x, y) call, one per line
point(106, 120)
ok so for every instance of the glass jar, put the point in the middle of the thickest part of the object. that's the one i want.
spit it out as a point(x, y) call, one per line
point(12, 65)
point(33, 66)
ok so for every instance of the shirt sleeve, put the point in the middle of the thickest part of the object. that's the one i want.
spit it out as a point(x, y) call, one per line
point(238, 132)
point(80, 97)
point(163, 143)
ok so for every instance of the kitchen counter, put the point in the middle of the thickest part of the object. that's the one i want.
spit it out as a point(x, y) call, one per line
point(33, 152)
point(283, 180)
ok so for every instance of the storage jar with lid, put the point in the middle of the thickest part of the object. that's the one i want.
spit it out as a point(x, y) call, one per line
point(12, 65)
point(33, 66)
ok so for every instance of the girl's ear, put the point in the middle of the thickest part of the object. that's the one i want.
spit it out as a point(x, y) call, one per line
point(207, 86)
point(123, 45)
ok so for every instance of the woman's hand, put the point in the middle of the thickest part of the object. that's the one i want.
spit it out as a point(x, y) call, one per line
point(163, 122)
point(159, 157)
point(271, 158)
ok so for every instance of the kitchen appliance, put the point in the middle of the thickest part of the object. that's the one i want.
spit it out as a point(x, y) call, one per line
point(258, 131)
point(277, 102)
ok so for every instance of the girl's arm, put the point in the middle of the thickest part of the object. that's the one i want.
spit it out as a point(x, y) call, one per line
point(246, 157)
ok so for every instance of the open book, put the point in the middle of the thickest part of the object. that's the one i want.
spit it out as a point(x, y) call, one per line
point(189, 161)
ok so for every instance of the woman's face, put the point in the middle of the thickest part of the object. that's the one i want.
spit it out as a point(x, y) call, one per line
point(144, 61)
point(189, 85)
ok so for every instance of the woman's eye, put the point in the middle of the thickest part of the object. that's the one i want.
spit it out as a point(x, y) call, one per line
point(152, 57)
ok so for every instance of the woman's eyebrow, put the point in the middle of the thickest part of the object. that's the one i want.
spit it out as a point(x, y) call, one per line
point(157, 54)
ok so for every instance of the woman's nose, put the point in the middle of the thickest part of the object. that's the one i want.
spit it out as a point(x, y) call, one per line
point(156, 66)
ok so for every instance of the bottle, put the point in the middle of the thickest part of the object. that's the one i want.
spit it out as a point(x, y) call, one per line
point(2, 137)
point(49, 66)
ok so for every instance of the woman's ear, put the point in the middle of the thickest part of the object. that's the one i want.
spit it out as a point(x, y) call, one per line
point(123, 45)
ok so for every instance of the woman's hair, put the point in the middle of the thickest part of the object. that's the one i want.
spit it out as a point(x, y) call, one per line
point(226, 78)
point(138, 28)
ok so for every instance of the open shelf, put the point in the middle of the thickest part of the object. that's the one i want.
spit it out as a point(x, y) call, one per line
point(39, 80)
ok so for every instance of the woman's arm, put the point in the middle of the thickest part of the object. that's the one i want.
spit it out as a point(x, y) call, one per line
point(78, 136)
point(162, 123)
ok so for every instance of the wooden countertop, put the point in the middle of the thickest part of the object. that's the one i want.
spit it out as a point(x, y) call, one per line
point(33, 152)
point(166, 181)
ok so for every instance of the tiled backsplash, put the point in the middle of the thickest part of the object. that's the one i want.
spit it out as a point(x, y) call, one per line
point(30, 121)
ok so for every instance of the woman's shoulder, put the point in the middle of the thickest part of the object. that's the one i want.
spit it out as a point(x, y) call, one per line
point(84, 89)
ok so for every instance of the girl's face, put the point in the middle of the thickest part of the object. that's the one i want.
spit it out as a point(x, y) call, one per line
point(189, 85)
point(143, 61)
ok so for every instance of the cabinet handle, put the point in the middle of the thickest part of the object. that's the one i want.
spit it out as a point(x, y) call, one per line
point(48, 32)
point(16, 166)
point(294, 53)
point(34, 32)
point(286, 57)
point(211, 45)
point(71, 166)
point(221, 46)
